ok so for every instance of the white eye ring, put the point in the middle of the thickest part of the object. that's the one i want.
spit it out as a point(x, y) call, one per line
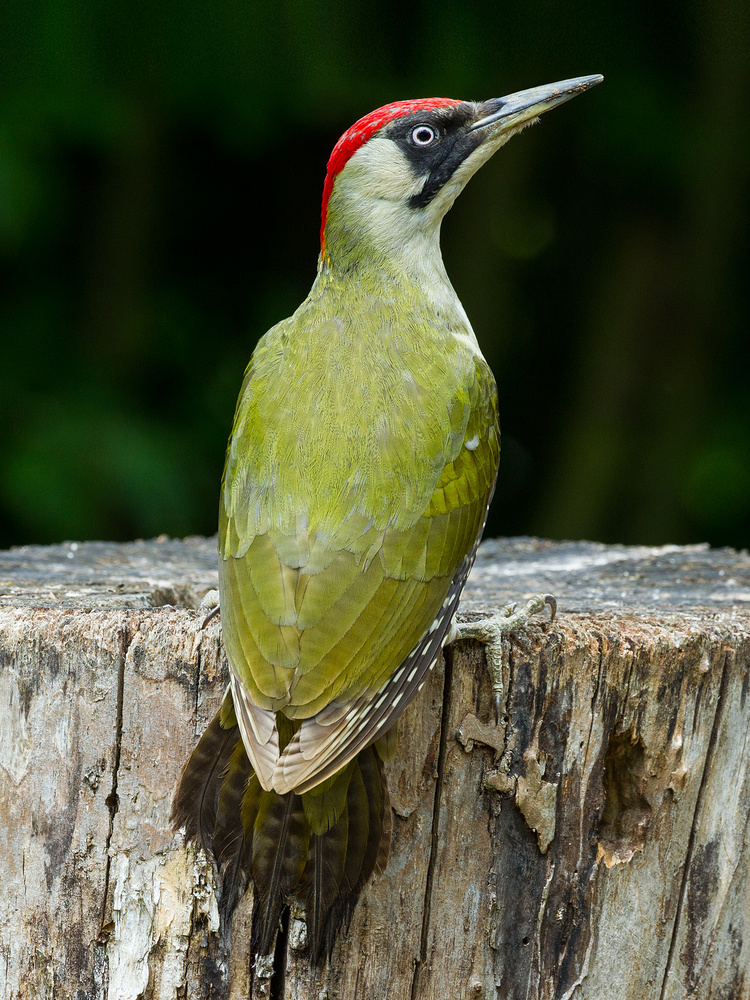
point(423, 135)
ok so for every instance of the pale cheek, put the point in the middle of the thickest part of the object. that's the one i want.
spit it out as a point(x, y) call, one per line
point(380, 170)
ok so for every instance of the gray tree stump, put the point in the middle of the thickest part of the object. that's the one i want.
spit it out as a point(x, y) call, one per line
point(594, 845)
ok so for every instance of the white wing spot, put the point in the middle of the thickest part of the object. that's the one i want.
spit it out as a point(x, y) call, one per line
point(472, 443)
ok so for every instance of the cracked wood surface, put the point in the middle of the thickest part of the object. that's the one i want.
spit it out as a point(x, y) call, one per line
point(594, 844)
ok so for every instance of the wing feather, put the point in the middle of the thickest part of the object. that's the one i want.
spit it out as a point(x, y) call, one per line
point(259, 733)
point(335, 621)
point(317, 751)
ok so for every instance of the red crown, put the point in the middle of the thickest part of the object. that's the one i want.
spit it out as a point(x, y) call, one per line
point(363, 130)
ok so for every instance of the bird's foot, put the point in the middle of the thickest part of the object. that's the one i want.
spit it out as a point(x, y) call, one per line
point(209, 603)
point(495, 633)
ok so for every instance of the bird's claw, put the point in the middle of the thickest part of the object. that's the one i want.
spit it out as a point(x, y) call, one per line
point(210, 601)
point(495, 633)
point(550, 600)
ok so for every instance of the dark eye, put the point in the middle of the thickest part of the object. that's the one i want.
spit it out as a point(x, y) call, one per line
point(423, 135)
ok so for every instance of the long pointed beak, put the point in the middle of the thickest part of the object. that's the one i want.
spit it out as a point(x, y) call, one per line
point(507, 112)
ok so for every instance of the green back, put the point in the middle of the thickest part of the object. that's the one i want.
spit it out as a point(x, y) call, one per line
point(350, 496)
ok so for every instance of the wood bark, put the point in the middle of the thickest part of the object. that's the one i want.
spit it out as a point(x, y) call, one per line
point(594, 844)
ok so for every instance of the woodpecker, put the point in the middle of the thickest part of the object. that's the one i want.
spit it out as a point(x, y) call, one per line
point(359, 472)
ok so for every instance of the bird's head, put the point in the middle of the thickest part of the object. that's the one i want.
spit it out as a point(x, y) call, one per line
point(395, 173)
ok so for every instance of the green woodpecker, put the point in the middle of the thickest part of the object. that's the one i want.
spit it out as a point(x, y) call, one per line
point(358, 475)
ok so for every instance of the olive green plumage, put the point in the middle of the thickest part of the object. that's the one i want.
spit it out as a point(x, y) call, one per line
point(350, 497)
point(358, 475)
point(361, 462)
point(359, 471)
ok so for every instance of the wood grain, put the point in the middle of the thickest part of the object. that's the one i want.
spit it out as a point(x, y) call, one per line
point(594, 844)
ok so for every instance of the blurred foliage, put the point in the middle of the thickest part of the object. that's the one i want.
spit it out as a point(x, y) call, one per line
point(161, 166)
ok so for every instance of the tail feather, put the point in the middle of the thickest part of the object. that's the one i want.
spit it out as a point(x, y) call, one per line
point(329, 896)
point(228, 835)
point(281, 837)
point(380, 821)
point(232, 839)
point(320, 847)
point(358, 809)
point(322, 881)
point(196, 799)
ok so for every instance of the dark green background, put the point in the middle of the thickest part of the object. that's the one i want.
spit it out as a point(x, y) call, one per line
point(161, 165)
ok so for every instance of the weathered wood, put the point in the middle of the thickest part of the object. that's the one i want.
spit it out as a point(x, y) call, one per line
point(594, 844)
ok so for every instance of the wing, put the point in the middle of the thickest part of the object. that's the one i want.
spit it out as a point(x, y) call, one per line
point(334, 611)
point(323, 745)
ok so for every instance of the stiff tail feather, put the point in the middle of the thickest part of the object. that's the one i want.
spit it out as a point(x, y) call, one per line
point(196, 799)
point(232, 844)
point(320, 847)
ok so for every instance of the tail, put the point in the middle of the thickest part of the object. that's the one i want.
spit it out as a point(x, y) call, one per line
point(320, 847)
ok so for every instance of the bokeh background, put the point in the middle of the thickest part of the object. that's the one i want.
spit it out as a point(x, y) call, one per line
point(161, 166)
